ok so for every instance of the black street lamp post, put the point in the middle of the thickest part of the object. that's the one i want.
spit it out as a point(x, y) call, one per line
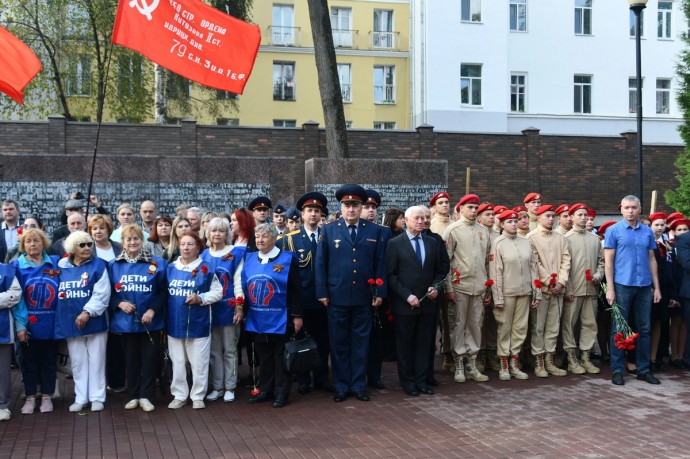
point(636, 6)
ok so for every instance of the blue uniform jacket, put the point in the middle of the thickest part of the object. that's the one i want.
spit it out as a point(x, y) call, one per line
point(299, 244)
point(39, 294)
point(343, 268)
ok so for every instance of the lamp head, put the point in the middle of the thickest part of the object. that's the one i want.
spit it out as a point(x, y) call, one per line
point(637, 3)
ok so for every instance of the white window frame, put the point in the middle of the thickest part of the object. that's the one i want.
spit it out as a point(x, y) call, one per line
point(471, 11)
point(470, 82)
point(664, 22)
point(282, 25)
point(384, 85)
point(632, 94)
point(341, 17)
point(345, 77)
point(663, 96)
point(384, 29)
point(518, 89)
point(384, 125)
point(285, 123)
point(517, 11)
point(583, 14)
point(582, 91)
point(127, 68)
point(79, 79)
point(285, 80)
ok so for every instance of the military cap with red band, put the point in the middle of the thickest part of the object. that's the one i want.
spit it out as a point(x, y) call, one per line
point(507, 214)
point(545, 208)
point(575, 207)
point(351, 193)
point(437, 196)
point(312, 199)
point(532, 197)
point(469, 199)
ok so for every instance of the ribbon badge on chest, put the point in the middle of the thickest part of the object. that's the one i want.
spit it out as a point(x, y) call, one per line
point(337, 243)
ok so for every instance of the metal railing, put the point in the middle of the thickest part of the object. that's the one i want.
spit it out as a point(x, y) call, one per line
point(284, 36)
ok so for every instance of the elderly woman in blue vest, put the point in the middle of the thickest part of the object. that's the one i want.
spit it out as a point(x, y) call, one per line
point(38, 278)
point(83, 297)
point(13, 320)
point(192, 287)
point(274, 291)
point(137, 304)
point(226, 313)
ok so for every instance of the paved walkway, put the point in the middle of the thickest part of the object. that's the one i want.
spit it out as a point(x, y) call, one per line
point(573, 416)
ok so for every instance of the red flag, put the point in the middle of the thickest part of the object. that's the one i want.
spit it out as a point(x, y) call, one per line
point(18, 66)
point(191, 39)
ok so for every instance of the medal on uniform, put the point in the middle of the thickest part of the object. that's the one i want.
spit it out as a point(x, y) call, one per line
point(84, 279)
point(152, 267)
point(337, 243)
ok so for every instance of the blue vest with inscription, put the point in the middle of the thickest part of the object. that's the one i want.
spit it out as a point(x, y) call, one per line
point(40, 294)
point(77, 288)
point(222, 313)
point(140, 287)
point(7, 273)
point(184, 320)
point(266, 289)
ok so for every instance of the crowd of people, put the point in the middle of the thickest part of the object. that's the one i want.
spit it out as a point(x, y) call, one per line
point(512, 289)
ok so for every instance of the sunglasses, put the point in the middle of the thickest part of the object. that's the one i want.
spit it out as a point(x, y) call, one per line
point(81, 245)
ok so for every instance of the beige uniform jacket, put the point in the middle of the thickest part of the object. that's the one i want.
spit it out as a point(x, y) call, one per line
point(585, 253)
point(552, 256)
point(512, 267)
point(561, 230)
point(533, 222)
point(439, 223)
point(468, 247)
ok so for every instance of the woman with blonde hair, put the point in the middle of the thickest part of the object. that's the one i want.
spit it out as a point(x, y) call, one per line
point(179, 226)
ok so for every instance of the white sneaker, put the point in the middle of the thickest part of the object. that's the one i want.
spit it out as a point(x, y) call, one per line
point(176, 404)
point(198, 405)
point(146, 405)
point(132, 404)
point(5, 414)
point(97, 406)
point(76, 407)
point(229, 396)
point(214, 395)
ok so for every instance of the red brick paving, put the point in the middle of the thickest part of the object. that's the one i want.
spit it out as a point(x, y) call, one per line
point(573, 416)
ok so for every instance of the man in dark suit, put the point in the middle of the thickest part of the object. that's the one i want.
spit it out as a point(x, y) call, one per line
point(415, 273)
point(9, 228)
point(682, 247)
point(350, 254)
point(303, 243)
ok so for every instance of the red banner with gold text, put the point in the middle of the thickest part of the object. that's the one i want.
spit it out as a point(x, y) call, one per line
point(191, 39)
point(18, 65)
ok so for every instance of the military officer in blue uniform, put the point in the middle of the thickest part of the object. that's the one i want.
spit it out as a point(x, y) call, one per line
point(293, 218)
point(261, 209)
point(303, 243)
point(279, 219)
point(349, 265)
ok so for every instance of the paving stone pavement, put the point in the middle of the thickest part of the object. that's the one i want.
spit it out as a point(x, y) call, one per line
point(573, 416)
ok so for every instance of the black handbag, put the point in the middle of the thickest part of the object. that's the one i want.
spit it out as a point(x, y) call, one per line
point(301, 355)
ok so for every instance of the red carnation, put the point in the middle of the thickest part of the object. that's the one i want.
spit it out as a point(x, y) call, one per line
point(204, 269)
point(118, 287)
point(371, 282)
point(552, 281)
point(62, 295)
point(239, 300)
point(456, 277)
point(33, 319)
point(489, 283)
point(554, 275)
point(537, 283)
point(379, 282)
point(618, 336)
point(256, 391)
point(588, 275)
point(20, 231)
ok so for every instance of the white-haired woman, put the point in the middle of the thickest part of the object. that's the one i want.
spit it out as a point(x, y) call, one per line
point(227, 313)
point(83, 296)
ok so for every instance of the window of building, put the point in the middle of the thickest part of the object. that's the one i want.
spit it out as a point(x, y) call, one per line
point(384, 84)
point(284, 123)
point(226, 95)
point(632, 24)
point(341, 23)
point(130, 77)
point(384, 125)
point(177, 87)
point(583, 17)
point(282, 30)
point(227, 121)
point(471, 10)
point(664, 20)
point(348, 124)
point(77, 26)
point(583, 94)
point(663, 95)
point(518, 91)
point(632, 94)
point(383, 29)
point(470, 84)
point(78, 75)
point(345, 75)
point(518, 15)
point(283, 81)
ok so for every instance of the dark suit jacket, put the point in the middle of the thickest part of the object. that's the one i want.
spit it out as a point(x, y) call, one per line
point(682, 244)
point(300, 244)
point(406, 277)
point(3, 244)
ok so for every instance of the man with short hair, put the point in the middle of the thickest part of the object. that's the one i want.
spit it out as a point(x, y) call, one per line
point(293, 217)
point(75, 222)
point(147, 211)
point(181, 210)
point(370, 208)
point(279, 219)
point(440, 203)
point(565, 222)
point(532, 202)
point(487, 354)
point(194, 217)
point(261, 209)
point(633, 283)
point(9, 227)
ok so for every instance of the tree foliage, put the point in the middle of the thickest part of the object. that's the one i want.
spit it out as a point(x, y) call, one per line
point(679, 198)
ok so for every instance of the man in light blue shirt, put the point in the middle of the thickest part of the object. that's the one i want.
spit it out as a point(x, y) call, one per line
point(631, 276)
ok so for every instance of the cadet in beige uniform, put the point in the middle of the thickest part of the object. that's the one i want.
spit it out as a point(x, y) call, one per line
point(532, 202)
point(586, 272)
point(565, 223)
point(468, 250)
point(441, 219)
point(523, 221)
point(553, 260)
point(513, 269)
point(487, 353)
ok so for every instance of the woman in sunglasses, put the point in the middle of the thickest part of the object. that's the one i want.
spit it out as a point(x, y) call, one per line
point(83, 296)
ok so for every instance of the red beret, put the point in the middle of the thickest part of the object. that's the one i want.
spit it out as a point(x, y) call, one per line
point(562, 208)
point(520, 209)
point(499, 209)
point(484, 207)
point(469, 199)
point(545, 208)
point(579, 206)
point(591, 213)
point(604, 226)
point(457, 207)
point(674, 216)
point(440, 194)
point(680, 221)
point(507, 214)
point(532, 197)
point(657, 216)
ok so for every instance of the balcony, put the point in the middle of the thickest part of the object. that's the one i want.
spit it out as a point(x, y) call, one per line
point(384, 94)
point(284, 90)
point(284, 36)
point(343, 38)
point(346, 92)
point(384, 40)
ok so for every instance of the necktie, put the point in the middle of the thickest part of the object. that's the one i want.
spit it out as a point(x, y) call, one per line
point(418, 249)
point(353, 233)
point(313, 242)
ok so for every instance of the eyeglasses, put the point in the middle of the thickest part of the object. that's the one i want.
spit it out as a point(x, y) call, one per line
point(81, 245)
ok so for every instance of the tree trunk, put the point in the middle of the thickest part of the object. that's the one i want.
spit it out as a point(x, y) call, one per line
point(329, 83)
point(161, 106)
